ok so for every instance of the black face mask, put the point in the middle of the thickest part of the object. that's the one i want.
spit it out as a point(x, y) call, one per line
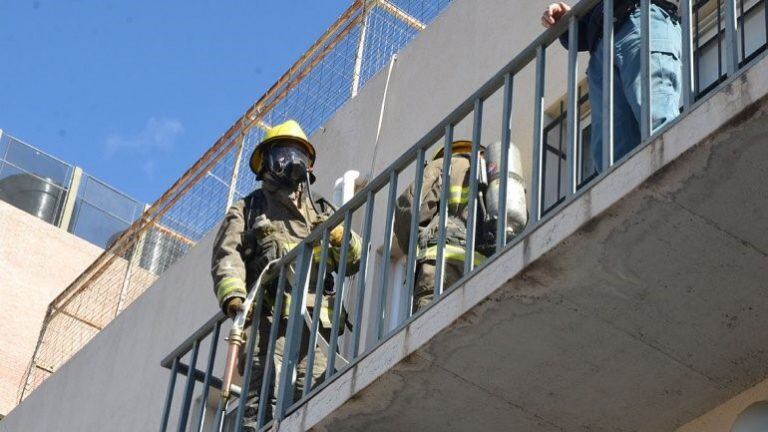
point(288, 164)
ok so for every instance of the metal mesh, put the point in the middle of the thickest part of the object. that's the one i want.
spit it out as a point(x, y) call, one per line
point(323, 79)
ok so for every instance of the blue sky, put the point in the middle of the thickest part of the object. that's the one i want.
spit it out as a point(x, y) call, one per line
point(134, 91)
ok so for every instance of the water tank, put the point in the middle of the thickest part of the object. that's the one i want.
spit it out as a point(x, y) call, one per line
point(159, 251)
point(34, 195)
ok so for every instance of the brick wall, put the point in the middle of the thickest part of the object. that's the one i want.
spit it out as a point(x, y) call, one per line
point(37, 261)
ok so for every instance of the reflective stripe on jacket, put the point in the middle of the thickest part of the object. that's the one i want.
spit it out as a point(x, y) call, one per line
point(457, 212)
point(292, 218)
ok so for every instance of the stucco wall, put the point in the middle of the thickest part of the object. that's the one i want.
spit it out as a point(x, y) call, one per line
point(37, 261)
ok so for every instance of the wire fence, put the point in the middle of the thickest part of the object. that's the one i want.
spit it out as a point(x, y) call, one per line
point(350, 53)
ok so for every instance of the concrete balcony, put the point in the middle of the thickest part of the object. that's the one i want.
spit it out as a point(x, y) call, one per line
point(639, 306)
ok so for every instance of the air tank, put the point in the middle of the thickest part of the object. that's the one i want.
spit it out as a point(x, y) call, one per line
point(517, 211)
point(35, 195)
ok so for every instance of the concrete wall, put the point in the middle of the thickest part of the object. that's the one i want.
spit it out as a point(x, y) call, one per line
point(37, 261)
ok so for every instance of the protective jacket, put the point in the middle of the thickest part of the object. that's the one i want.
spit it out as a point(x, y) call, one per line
point(265, 225)
point(429, 219)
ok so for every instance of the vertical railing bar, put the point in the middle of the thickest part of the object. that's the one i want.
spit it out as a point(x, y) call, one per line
point(469, 252)
point(579, 175)
point(443, 211)
point(607, 109)
point(319, 290)
point(218, 420)
point(293, 331)
point(719, 35)
point(561, 153)
point(189, 388)
point(538, 136)
point(338, 303)
point(545, 148)
point(248, 367)
point(572, 109)
point(765, 19)
point(410, 266)
point(266, 381)
point(169, 395)
point(207, 379)
point(687, 90)
point(645, 69)
point(506, 139)
point(362, 273)
point(731, 43)
point(696, 52)
point(389, 220)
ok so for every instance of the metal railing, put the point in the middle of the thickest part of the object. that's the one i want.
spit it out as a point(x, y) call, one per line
point(352, 50)
point(295, 267)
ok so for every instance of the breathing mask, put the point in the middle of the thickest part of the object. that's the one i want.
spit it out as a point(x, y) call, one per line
point(288, 163)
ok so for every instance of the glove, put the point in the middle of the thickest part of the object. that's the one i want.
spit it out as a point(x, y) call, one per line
point(233, 306)
point(337, 234)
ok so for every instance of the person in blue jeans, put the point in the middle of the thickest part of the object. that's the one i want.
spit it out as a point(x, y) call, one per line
point(665, 68)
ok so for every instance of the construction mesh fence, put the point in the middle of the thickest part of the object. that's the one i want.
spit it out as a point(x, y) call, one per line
point(350, 53)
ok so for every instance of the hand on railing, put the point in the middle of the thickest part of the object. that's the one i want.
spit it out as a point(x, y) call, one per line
point(553, 13)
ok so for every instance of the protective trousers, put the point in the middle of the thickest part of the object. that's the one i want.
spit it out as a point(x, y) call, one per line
point(259, 364)
point(424, 288)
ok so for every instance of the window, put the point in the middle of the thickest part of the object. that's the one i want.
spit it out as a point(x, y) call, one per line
point(554, 154)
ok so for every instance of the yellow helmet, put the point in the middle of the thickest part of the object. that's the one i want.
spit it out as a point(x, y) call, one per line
point(457, 147)
point(290, 131)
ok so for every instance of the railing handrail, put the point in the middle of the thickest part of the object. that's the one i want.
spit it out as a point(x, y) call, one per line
point(382, 179)
point(535, 51)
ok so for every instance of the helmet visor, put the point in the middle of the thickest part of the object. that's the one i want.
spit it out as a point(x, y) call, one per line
point(286, 153)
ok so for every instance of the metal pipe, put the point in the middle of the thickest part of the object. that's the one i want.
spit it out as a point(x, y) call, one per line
point(362, 273)
point(235, 173)
point(538, 136)
point(506, 139)
point(360, 50)
point(571, 167)
point(389, 217)
point(469, 252)
point(410, 265)
point(338, 303)
point(443, 211)
point(645, 69)
point(607, 108)
point(188, 390)
point(688, 79)
point(401, 15)
point(169, 396)
point(731, 43)
point(207, 379)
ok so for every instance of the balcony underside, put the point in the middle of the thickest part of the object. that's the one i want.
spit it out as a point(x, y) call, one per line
point(646, 317)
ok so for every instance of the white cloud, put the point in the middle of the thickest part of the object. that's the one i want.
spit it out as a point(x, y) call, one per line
point(158, 136)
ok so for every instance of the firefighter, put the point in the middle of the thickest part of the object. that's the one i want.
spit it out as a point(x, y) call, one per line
point(456, 222)
point(264, 226)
